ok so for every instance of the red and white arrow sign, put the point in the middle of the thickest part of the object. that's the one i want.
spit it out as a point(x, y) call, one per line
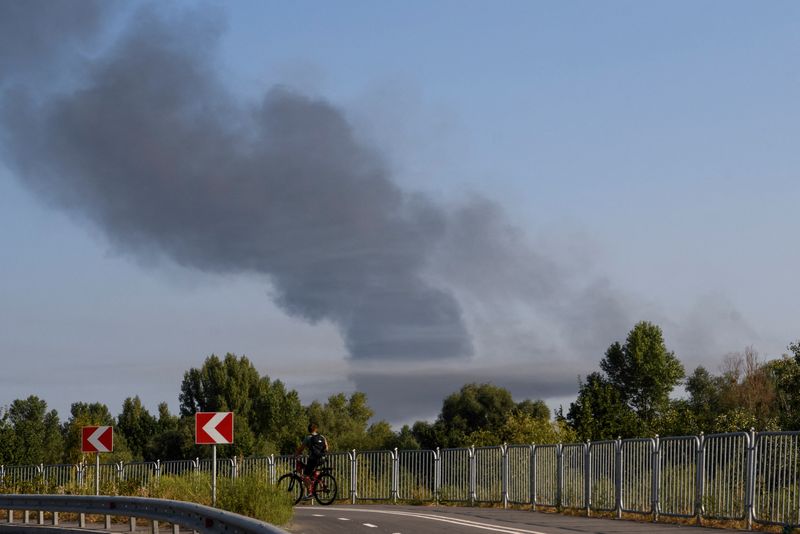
point(213, 428)
point(97, 439)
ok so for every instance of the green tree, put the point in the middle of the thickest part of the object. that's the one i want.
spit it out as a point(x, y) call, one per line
point(536, 409)
point(173, 438)
point(474, 408)
point(601, 413)
point(404, 440)
point(268, 417)
point(643, 371)
point(279, 418)
point(228, 385)
point(33, 433)
point(137, 426)
point(91, 414)
point(785, 373)
point(476, 415)
point(342, 420)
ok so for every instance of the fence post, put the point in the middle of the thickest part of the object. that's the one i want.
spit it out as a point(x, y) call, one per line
point(158, 469)
point(437, 475)
point(271, 469)
point(235, 468)
point(395, 475)
point(472, 476)
point(504, 475)
point(618, 478)
point(656, 476)
point(750, 488)
point(353, 477)
point(533, 476)
point(700, 479)
point(81, 471)
point(559, 474)
point(587, 477)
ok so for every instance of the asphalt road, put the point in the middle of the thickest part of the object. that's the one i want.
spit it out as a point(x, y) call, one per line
point(373, 519)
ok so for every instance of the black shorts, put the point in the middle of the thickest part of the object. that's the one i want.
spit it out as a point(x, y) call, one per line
point(312, 464)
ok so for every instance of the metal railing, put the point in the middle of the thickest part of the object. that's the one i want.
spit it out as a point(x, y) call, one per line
point(745, 476)
point(189, 515)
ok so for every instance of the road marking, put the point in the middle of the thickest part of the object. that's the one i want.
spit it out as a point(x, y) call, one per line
point(370, 525)
point(318, 515)
point(343, 519)
point(452, 520)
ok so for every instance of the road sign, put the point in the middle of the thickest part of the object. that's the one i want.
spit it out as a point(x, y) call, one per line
point(213, 428)
point(97, 439)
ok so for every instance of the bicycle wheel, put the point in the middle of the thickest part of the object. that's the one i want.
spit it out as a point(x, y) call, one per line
point(293, 485)
point(325, 492)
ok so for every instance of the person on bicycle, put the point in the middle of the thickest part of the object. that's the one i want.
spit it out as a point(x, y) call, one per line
point(317, 446)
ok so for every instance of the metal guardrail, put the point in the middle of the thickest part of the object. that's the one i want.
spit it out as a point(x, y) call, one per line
point(744, 476)
point(192, 516)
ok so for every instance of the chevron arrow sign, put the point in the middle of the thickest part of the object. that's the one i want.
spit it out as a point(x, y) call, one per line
point(213, 428)
point(97, 439)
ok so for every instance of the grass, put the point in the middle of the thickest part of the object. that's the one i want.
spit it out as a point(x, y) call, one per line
point(249, 495)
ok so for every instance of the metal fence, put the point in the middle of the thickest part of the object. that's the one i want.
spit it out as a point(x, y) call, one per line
point(744, 476)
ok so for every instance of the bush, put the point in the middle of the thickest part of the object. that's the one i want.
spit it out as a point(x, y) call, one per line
point(252, 496)
point(248, 495)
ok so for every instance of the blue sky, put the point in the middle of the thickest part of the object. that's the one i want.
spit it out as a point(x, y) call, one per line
point(648, 148)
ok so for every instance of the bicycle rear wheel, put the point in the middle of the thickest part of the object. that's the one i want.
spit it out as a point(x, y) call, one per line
point(325, 492)
point(293, 485)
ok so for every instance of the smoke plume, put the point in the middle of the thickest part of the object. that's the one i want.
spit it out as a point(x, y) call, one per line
point(150, 146)
point(154, 151)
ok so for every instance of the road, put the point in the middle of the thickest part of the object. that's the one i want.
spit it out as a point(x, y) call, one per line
point(368, 519)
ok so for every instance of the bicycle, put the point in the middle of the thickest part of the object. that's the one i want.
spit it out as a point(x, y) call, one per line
point(323, 483)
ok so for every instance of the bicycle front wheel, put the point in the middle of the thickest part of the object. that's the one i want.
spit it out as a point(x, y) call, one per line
point(293, 485)
point(325, 492)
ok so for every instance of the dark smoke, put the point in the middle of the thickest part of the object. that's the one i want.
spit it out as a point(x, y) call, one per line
point(153, 150)
point(150, 147)
point(35, 32)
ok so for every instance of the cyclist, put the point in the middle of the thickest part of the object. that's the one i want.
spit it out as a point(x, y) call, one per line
point(317, 446)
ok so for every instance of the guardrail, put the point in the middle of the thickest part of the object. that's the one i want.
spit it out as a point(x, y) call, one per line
point(192, 516)
point(743, 476)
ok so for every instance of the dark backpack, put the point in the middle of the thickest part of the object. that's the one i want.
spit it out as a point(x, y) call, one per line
point(316, 446)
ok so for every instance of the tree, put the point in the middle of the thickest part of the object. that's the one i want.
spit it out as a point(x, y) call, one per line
point(785, 373)
point(229, 385)
point(91, 414)
point(137, 426)
point(705, 401)
point(268, 417)
point(601, 413)
point(643, 371)
point(34, 433)
point(279, 418)
point(173, 438)
point(475, 407)
point(536, 409)
point(342, 420)
point(476, 415)
point(748, 393)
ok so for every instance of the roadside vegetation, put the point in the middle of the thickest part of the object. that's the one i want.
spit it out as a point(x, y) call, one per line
point(631, 394)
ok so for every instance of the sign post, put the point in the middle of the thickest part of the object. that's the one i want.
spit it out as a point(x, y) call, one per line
point(97, 439)
point(212, 428)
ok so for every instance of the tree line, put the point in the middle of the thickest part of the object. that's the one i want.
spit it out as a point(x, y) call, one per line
point(632, 395)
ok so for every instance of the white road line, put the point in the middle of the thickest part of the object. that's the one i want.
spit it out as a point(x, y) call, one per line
point(452, 520)
point(343, 519)
point(370, 525)
point(318, 515)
